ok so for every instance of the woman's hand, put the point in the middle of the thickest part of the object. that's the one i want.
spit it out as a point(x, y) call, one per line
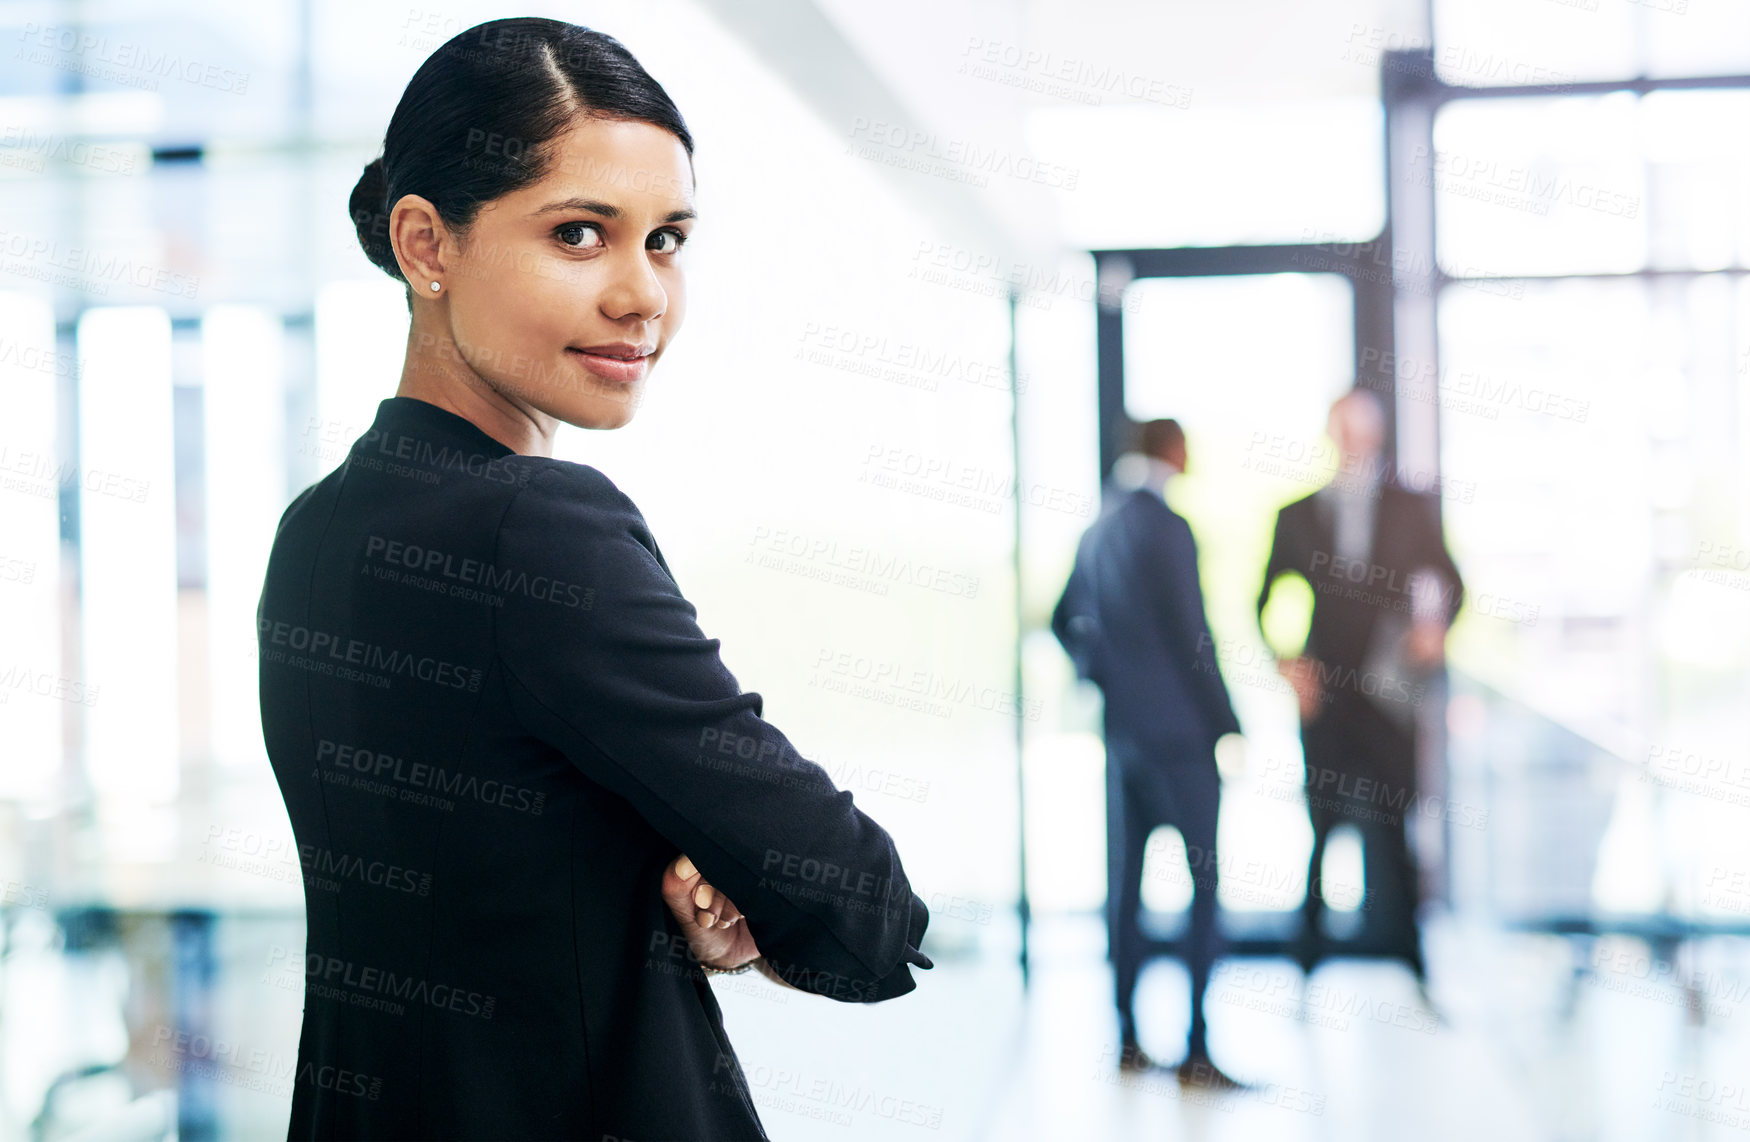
point(714, 927)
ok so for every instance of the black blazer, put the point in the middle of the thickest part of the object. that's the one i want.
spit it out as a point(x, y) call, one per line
point(1131, 618)
point(1350, 597)
point(494, 721)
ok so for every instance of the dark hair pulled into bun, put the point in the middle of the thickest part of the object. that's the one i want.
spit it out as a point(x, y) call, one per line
point(478, 120)
point(370, 217)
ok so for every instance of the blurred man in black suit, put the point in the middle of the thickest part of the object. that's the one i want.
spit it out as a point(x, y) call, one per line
point(1131, 618)
point(1385, 589)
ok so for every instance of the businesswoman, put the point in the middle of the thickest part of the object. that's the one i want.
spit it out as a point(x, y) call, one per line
point(533, 807)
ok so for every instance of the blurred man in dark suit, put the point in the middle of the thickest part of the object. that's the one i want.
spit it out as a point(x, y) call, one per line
point(1385, 589)
point(1131, 618)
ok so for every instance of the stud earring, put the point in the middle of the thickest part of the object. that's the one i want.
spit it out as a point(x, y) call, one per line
point(434, 287)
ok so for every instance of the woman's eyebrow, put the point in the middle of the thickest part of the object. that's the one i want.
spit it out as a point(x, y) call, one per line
point(605, 209)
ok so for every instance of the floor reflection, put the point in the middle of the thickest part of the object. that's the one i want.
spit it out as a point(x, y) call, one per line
point(184, 1025)
point(146, 1025)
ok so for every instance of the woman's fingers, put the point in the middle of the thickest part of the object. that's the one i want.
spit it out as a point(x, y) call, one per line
point(709, 903)
point(679, 878)
point(684, 889)
point(727, 914)
point(711, 909)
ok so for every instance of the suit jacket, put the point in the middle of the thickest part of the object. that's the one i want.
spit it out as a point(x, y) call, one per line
point(1131, 618)
point(1359, 603)
point(494, 721)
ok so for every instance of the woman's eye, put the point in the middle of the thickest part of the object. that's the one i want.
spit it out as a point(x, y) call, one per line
point(674, 239)
point(571, 228)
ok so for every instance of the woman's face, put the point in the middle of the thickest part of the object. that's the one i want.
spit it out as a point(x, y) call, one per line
point(565, 293)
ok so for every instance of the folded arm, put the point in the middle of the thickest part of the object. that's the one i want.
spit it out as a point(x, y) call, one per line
point(607, 663)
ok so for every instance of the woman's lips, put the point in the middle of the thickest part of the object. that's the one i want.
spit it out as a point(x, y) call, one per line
point(620, 369)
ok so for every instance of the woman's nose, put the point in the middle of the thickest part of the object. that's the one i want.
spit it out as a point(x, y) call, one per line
point(632, 290)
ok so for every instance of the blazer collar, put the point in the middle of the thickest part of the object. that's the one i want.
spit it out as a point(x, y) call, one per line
point(414, 417)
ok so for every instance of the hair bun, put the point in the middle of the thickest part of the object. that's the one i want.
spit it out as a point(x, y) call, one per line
point(370, 217)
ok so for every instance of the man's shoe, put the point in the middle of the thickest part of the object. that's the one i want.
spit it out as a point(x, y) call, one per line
point(1133, 1060)
point(1307, 950)
point(1199, 1072)
point(1427, 1001)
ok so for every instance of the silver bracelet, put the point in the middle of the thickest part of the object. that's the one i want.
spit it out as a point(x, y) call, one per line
point(748, 966)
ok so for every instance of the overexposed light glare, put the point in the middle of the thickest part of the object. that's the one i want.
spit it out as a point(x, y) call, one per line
point(1148, 176)
point(1066, 821)
point(1268, 352)
point(1697, 148)
point(1341, 874)
point(1629, 876)
point(1539, 186)
point(361, 344)
point(1545, 452)
point(1167, 872)
point(1694, 37)
point(103, 114)
point(1503, 43)
point(243, 371)
point(30, 547)
point(127, 548)
point(1705, 620)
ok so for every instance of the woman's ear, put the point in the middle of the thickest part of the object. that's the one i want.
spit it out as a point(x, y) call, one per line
point(418, 236)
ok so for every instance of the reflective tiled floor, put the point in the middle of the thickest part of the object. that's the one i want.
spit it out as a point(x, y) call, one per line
point(1537, 1038)
point(1525, 1048)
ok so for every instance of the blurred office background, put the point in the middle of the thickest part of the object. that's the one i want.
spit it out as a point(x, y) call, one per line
point(936, 241)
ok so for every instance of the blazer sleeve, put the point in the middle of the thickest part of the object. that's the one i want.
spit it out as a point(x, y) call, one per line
point(1179, 600)
point(1061, 613)
point(606, 662)
point(1072, 619)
